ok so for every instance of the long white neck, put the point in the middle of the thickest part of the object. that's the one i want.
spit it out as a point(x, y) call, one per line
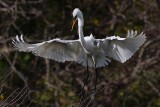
point(81, 35)
point(80, 30)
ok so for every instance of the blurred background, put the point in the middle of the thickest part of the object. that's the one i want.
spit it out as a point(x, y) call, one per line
point(30, 81)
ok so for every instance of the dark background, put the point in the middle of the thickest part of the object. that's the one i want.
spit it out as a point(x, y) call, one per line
point(27, 80)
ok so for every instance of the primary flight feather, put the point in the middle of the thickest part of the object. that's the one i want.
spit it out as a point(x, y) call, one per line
point(86, 50)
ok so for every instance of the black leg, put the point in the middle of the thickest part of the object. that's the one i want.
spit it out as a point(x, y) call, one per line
point(82, 90)
point(96, 76)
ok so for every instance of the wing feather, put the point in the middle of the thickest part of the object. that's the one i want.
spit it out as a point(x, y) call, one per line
point(59, 50)
point(122, 49)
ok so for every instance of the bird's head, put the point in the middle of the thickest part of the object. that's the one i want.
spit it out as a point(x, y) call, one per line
point(77, 15)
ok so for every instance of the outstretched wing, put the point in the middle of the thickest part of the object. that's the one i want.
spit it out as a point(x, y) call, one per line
point(121, 49)
point(59, 50)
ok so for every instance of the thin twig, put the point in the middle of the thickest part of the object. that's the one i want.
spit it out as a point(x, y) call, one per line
point(16, 71)
point(15, 100)
point(23, 99)
point(9, 97)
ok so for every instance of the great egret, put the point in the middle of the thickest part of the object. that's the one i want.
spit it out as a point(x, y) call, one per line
point(97, 51)
point(87, 51)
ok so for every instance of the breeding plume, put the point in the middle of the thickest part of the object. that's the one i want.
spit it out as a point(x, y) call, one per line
point(87, 50)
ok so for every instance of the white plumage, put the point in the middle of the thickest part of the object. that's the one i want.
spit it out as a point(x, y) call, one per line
point(85, 50)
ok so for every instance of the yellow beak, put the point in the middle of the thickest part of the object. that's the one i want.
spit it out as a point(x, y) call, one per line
point(73, 23)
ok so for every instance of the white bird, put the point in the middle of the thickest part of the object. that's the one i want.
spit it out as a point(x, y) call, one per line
point(87, 51)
